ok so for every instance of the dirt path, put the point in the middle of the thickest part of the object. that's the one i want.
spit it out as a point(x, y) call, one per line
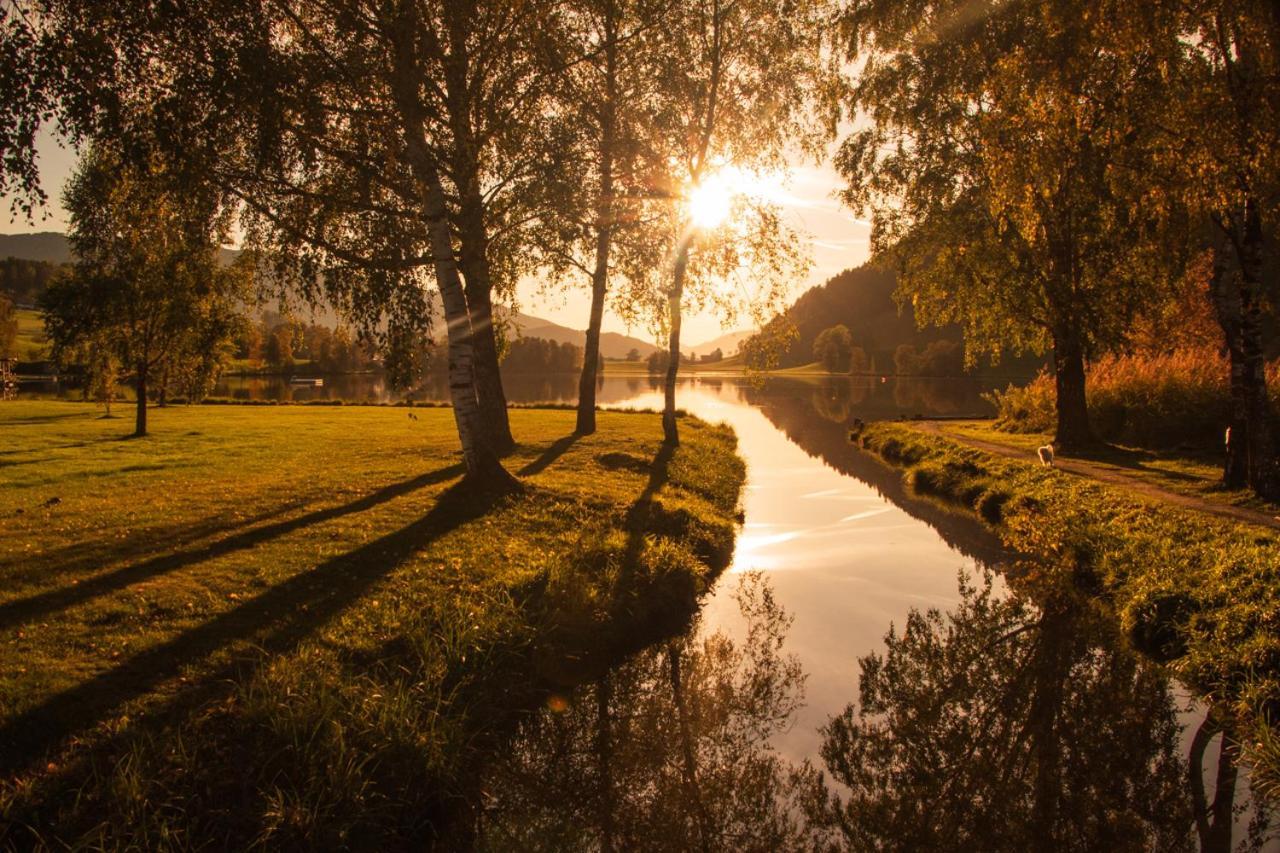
point(1102, 473)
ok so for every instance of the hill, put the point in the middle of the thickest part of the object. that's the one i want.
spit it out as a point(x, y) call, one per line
point(612, 344)
point(727, 343)
point(862, 300)
point(53, 247)
point(48, 246)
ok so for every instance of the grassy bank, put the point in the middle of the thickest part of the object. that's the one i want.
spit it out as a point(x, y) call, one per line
point(1193, 472)
point(283, 627)
point(1199, 593)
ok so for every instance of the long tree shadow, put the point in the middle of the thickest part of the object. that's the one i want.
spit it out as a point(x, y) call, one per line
point(42, 604)
point(87, 556)
point(551, 454)
point(638, 514)
point(272, 623)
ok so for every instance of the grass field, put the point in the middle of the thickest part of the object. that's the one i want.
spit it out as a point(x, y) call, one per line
point(30, 344)
point(281, 626)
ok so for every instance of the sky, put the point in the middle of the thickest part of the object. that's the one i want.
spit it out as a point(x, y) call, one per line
point(837, 240)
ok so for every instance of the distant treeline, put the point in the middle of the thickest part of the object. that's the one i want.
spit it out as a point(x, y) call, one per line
point(283, 345)
point(537, 355)
point(23, 281)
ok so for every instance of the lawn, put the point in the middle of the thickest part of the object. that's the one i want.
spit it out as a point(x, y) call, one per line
point(30, 345)
point(282, 626)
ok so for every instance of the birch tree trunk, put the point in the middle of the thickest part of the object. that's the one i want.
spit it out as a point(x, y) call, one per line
point(472, 229)
point(604, 235)
point(484, 471)
point(670, 430)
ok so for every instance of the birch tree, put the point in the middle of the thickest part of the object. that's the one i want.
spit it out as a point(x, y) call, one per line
point(745, 83)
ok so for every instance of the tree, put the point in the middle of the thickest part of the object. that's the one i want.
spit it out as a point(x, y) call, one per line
point(8, 327)
point(147, 276)
point(832, 348)
point(372, 149)
point(1221, 115)
point(633, 354)
point(998, 169)
point(858, 362)
point(278, 351)
point(600, 229)
point(742, 81)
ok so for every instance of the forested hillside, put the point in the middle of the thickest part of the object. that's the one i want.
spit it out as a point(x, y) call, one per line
point(860, 299)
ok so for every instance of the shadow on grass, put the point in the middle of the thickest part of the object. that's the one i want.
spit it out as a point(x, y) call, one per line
point(25, 450)
point(640, 512)
point(82, 557)
point(551, 454)
point(1140, 461)
point(45, 603)
point(271, 623)
point(41, 419)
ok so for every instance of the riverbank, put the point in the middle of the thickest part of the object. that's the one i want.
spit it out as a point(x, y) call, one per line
point(1192, 590)
point(285, 626)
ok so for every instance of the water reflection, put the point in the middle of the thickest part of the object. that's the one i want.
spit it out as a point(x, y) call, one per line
point(1008, 724)
point(1017, 720)
point(810, 421)
point(670, 751)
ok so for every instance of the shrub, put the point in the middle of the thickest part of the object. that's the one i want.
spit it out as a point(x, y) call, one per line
point(1143, 400)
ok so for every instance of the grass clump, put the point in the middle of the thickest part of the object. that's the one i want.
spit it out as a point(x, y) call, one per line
point(284, 627)
point(1192, 590)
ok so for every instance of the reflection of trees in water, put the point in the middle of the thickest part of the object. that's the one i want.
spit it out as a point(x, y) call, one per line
point(1008, 725)
point(1005, 724)
point(932, 396)
point(667, 752)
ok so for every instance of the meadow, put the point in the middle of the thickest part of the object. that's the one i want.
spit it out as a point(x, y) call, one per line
point(285, 626)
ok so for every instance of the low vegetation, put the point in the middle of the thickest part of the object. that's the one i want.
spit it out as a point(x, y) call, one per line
point(1158, 400)
point(252, 628)
point(1190, 590)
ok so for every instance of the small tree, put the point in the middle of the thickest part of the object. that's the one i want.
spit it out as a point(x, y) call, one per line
point(633, 354)
point(833, 348)
point(147, 277)
point(8, 327)
point(858, 362)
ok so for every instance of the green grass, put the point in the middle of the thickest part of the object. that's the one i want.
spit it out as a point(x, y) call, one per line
point(283, 626)
point(1195, 473)
point(1190, 589)
point(30, 345)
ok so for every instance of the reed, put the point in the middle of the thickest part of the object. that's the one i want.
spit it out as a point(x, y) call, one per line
point(1163, 400)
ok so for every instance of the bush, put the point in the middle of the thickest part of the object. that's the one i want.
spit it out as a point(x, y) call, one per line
point(1143, 400)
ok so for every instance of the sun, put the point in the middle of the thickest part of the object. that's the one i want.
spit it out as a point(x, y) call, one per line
point(710, 202)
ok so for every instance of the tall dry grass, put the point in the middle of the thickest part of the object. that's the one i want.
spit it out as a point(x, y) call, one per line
point(1164, 400)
